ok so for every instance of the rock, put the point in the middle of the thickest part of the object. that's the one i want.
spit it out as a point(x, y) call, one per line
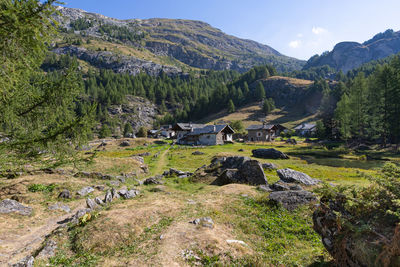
point(144, 154)
point(295, 187)
point(196, 153)
point(99, 201)
point(291, 141)
point(99, 187)
point(115, 183)
point(91, 204)
point(205, 222)
point(65, 194)
point(59, 206)
point(292, 199)
point(25, 262)
point(175, 172)
point(292, 176)
point(269, 166)
point(138, 158)
point(241, 150)
point(233, 241)
point(49, 250)
point(84, 191)
point(114, 193)
point(121, 179)
point(153, 180)
point(9, 205)
point(79, 214)
point(269, 153)
point(279, 186)
point(124, 144)
point(248, 171)
point(108, 197)
point(264, 188)
point(128, 194)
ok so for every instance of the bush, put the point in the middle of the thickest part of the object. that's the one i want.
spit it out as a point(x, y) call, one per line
point(237, 126)
point(42, 188)
point(142, 132)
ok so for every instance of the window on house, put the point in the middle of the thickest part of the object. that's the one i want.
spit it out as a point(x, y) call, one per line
point(259, 134)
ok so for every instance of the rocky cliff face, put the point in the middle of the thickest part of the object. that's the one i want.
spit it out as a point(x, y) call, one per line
point(346, 56)
point(136, 111)
point(118, 63)
point(192, 43)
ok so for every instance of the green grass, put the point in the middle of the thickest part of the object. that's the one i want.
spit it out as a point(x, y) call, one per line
point(42, 188)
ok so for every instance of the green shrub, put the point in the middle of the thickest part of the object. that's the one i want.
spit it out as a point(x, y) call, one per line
point(42, 188)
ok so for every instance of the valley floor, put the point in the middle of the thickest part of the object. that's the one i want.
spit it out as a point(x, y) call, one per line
point(154, 229)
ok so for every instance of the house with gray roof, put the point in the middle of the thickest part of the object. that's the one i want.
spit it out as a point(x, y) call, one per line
point(264, 132)
point(206, 135)
point(306, 129)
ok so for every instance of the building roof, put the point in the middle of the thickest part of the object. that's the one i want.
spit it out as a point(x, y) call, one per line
point(260, 127)
point(305, 126)
point(187, 126)
point(210, 129)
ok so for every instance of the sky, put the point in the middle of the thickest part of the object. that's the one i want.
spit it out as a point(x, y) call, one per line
point(297, 28)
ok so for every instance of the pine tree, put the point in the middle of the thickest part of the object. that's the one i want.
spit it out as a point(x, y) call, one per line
point(231, 106)
point(128, 129)
point(37, 110)
point(259, 92)
point(266, 107)
point(343, 116)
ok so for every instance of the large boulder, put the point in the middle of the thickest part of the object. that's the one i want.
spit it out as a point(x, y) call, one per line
point(269, 153)
point(292, 199)
point(292, 176)
point(240, 170)
point(9, 206)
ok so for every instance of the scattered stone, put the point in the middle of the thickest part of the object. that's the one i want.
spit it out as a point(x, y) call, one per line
point(154, 180)
point(114, 193)
point(269, 153)
point(241, 150)
point(100, 187)
point(49, 250)
point(9, 205)
point(189, 255)
point(138, 158)
point(233, 241)
point(124, 144)
point(128, 194)
point(196, 153)
point(25, 262)
point(121, 179)
point(91, 204)
point(204, 222)
point(99, 201)
point(144, 154)
point(59, 206)
point(292, 199)
point(264, 188)
point(191, 202)
point(292, 176)
point(84, 191)
point(291, 141)
point(115, 183)
point(279, 186)
point(79, 214)
point(108, 197)
point(161, 237)
point(269, 166)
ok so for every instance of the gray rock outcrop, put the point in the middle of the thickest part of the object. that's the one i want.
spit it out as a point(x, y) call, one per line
point(292, 176)
point(292, 199)
point(10, 206)
point(85, 191)
point(269, 153)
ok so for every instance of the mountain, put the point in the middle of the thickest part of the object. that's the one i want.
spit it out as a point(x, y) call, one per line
point(152, 45)
point(346, 56)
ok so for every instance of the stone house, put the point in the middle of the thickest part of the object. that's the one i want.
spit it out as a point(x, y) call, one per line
point(264, 132)
point(167, 131)
point(181, 129)
point(306, 129)
point(207, 135)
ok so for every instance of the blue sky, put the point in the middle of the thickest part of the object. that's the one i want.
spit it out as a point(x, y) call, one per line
point(298, 28)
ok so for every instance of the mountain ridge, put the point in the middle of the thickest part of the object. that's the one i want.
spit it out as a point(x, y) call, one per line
point(191, 43)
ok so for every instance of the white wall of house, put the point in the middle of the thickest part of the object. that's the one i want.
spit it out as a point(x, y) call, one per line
point(208, 139)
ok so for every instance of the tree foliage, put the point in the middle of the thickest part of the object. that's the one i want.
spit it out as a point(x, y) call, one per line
point(37, 110)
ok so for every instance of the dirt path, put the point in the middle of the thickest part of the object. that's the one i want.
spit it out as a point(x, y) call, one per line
point(161, 161)
point(17, 247)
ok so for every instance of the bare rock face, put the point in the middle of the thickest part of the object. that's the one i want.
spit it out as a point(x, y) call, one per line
point(292, 176)
point(25, 262)
point(269, 153)
point(9, 206)
point(292, 199)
